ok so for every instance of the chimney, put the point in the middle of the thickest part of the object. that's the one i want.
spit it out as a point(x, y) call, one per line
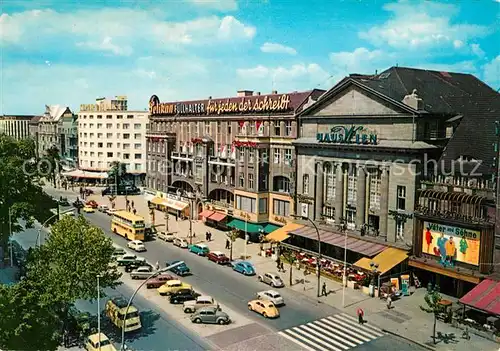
point(414, 101)
point(274, 92)
point(257, 93)
point(242, 93)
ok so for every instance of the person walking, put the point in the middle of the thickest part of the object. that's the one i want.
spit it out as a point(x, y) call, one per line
point(157, 266)
point(323, 290)
point(282, 267)
point(389, 302)
point(132, 204)
point(227, 243)
point(360, 313)
point(278, 264)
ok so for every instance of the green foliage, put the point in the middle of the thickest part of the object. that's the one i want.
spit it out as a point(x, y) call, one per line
point(117, 173)
point(51, 166)
point(27, 322)
point(67, 265)
point(21, 193)
point(432, 299)
point(290, 257)
point(232, 236)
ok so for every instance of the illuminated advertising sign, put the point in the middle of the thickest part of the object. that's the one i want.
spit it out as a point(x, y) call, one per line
point(451, 244)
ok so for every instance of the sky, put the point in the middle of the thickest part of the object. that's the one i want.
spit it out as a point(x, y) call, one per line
point(70, 53)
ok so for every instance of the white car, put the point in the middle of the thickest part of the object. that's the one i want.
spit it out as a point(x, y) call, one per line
point(180, 242)
point(166, 236)
point(136, 245)
point(273, 296)
point(102, 208)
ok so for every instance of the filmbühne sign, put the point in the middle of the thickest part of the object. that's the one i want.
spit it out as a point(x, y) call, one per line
point(252, 104)
point(347, 135)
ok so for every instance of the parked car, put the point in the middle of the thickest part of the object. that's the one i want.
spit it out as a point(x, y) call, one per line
point(181, 270)
point(201, 301)
point(172, 286)
point(218, 257)
point(133, 265)
point(96, 343)
point(122, 190)
point(102, 208)
point(158, 281)
point(63, 201)
point(273, 296)
point(199, 249)
point(182, 296)
point(264, 308)
point(166, 236)
point(88, 209)
point(272, 279)
point(110, 211)
point(180, 242)
point(126, 259)
point(210, 315)
point(118, 252)
point(142, 272)
point(116, 308)
point(136, 245)
point(244, 267)
point(92, 204)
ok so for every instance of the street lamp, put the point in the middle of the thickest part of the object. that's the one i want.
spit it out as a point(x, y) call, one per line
point(47, 221)
point(98, 312)
point(318, 261)
point(374, 268)
point(122, 347)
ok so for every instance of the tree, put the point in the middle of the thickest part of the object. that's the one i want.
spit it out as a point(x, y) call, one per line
point(117, 174)
point(66, 267)
point(21, 194)
point(53, 160)
point(27, 322)
point(432, 299)
point(232, 236)
point(290, 257)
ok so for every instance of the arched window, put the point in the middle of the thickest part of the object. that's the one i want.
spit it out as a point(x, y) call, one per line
point(305, 184)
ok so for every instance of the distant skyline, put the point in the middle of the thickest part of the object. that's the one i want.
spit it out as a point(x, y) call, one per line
point(69, 53)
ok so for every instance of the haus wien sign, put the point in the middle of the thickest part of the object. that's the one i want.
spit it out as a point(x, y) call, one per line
point(347, 135)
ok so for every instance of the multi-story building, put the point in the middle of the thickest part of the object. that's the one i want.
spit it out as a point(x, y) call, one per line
point(234, 153)
point(363, 148)
point(108, 132)
point(16, 126)
point(33, 131)
point(48, 128)
point(68, 132)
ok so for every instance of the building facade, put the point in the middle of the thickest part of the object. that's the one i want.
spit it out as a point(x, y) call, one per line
point(48, 134)
point(68, 131)
point(108, 132)
point(234, 154)
point(16, 126)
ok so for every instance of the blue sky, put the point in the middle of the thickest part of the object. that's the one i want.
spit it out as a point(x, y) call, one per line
point(64, 52)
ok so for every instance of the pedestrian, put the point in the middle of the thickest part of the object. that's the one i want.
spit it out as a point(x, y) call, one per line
point(360, 313)
point(132, 204)
point(278, 264)
point(282, 267)
point(323, 289)
point(157, 265)
point(135, 211)
point(389, 302)
point(206, 236)
point(227, 243)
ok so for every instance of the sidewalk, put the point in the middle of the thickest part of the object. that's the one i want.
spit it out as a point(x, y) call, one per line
point(405, 319)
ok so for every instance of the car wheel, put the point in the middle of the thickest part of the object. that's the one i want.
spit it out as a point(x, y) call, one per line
point(197, 320)
point(260, 279)
point(162, 294)
point(264, 314)
point(272, 285)
point(250, 307)
point(221, 321)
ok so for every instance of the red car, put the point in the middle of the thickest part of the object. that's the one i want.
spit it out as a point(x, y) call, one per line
point(218, 257)
point(158, 281)
point(92, 204)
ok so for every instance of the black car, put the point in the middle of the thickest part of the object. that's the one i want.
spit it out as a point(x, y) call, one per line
point(183, 295)
point(130, 266)
point(122, 190)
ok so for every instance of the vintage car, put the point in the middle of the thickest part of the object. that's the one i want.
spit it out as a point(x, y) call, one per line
point(181, 270)
point(159, 280)
point(172, 286)
point(271, 279)
point(136, 245)
point(92, 204)
point(210, 315)
point(199, 249)
point(243, 267)
point(182, 296)
point(142, 272)
point(264, 308)
point(201, 301)
point(218, 257)
point(271, 295)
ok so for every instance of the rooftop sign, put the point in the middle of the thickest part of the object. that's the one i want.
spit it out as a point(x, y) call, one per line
point(347, 135)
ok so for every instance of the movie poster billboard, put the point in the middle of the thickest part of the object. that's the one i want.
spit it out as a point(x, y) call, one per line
point(451, 244)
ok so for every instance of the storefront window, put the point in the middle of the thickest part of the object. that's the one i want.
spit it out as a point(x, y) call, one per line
point(245, 203)
point(281, 208)
point(263, 206)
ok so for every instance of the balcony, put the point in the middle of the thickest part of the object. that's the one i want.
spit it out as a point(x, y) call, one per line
point(222, 161)
point(182, 156)
point(471, 186)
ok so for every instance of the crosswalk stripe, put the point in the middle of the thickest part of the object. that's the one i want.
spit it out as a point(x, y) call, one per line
point(368, 328)
point(324, 338)
point(375, 329)
point(297, 337)
point(333, 335)
point(347, 325)
point(285, 335)
point(326, 324)
point(300, 329)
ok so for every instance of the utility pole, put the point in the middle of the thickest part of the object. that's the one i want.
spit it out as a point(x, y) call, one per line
point(98, 312)
point(190, 222)
point(166, 183)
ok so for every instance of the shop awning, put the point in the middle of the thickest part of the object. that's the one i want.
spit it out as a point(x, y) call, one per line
point(159, 201)
point(245, 226)
point(485, 297)
point(386, 260)
point(269, 228)
point(366, 248)
point(177, 205)
point(78, 173)
point(206, 213)
point(217, 216)
point(282, 233)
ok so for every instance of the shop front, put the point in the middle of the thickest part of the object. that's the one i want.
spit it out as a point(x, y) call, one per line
point(179, 209)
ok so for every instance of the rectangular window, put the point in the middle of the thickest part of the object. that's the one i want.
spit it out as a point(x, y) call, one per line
point(99, 144)
point(126, 156)
point(218, 127)
point(109, 135)
point(305, 184)
point(99, 125)
point(288, 128)
point(126, 126)
point(99, 116)
point(229, 128)
point(110, 154)
point(400, 230)
point(401, 201)
point(99, 154)
point(207, 128)
point(288, 157)
point(250, 181)
point(109, 145)
point(281, 208)
point(375, 180)
point(330, 180)
point(109, 117)
point(130, 116)
point(119, 117)
point(99, 135)
point(352, 179)
point(245, 203)
point(138, 156)
point(277, 129)
point(126, 146)
point(263, 206)
point(137, 166)
point(329, 212)
point(277, 155)
point(137, 126)
point(126, 136)
point(137, 146)
point(137, 136)
point(242, 155)
point(251, 155)
point(242, 180)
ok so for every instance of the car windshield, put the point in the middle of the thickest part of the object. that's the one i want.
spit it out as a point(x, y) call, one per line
point(275, 295)
point(129, 315)
point(104, 343)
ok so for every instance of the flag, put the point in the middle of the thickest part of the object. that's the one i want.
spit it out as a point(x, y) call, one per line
point(224, 151)
point(233, 151)
point(259, 127)
point(243, 127)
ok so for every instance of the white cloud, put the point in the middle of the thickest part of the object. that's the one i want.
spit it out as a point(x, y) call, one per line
point(491, 73)
point(107, 45)
point(457, 44)
point(420, 26)
point(276, 48)
point(462, 67)
point(476, 50)
point(361, 60)
point(221, 5)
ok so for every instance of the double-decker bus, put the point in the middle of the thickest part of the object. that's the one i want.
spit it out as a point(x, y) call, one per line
point(128, 225)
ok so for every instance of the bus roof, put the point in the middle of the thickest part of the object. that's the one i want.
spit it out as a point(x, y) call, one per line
point(128, 215)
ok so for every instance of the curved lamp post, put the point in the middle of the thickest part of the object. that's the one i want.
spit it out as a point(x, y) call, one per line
point(122, 347)
point(318, 261)
point(47, 221)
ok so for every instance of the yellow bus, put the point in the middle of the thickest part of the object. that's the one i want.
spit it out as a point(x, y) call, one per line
point(128, 225)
